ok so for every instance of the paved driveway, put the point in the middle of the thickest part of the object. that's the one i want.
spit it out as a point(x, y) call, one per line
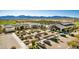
point(10, 40)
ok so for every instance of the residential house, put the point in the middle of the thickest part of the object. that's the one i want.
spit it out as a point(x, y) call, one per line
point(9, 28)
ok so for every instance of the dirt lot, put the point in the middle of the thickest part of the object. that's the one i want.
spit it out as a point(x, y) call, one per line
point(8, 41)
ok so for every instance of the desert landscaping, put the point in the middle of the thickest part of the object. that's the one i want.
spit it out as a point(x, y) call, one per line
point(40, 35)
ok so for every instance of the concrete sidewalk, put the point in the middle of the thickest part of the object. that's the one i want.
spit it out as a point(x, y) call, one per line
point(19, 41)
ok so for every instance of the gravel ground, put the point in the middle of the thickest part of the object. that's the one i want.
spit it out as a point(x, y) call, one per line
point(61, 45)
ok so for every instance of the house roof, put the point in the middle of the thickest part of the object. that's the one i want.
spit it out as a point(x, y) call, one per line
point(8, 26)
point(67, 24)
point(60, 26)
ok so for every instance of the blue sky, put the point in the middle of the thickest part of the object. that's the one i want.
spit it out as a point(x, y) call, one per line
point(70, 13)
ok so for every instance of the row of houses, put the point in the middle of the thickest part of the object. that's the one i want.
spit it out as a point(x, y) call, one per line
point(30, 26)
point(59, 26)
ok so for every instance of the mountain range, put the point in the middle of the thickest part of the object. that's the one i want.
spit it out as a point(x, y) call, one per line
point(24, 17)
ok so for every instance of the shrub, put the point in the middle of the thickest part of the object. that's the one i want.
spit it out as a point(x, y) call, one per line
point(73, 44)
point(72, 35)
point(77, 36)
point(13, 47)
point(63, 35)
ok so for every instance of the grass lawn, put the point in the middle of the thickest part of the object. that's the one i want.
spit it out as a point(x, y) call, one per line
point(7, 22)
point(76, 23)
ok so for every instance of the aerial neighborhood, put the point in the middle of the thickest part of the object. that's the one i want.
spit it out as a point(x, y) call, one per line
point(34, 35)
point(33, 32)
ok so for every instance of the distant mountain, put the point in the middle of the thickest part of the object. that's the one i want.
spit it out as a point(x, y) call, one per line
point(24, 17)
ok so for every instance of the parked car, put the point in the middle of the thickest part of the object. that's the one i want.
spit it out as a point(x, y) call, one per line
point(47, 42)
point(55, 39)
point(41, 45)
point(63, 35)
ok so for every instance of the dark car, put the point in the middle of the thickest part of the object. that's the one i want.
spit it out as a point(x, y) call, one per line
point(42, 45)
point(47, 42)
point(54, 39)
point(63, 35)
